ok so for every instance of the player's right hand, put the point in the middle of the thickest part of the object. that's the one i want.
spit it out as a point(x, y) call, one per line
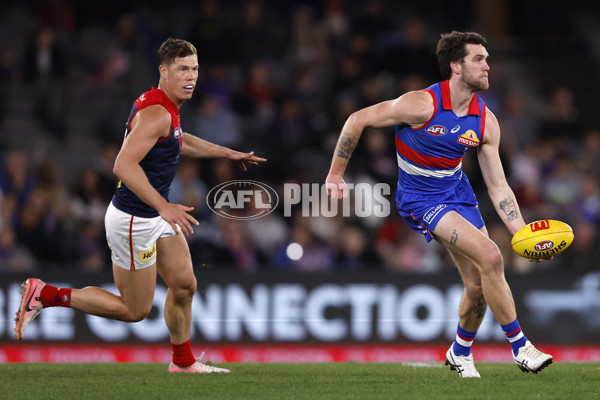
point(336, 187)
point(178, 215)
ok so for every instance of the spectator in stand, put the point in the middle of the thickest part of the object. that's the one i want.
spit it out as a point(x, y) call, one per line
point(562, 186)
point(45, 68)
point(562, 120)
point(16, 181)
point(587, 221)
point(39, 229)
point(588, 157)
point(14, 257)
point(312, 255)
point(399, 252)
point(102, 164)
point(217, 124)
point(519, 123)
point(273, 230)
point(259, 35)
point(261, 92)
point(210, 32)
point(354, 250)
point(413, 52)
point(188, 188)
point(245, 257)
point(379, 162)
point(88, 202)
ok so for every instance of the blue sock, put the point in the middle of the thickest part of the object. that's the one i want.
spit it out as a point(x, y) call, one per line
point(515, 335)
point(463, 342)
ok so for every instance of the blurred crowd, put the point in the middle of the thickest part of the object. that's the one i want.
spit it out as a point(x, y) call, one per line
point(279, 79)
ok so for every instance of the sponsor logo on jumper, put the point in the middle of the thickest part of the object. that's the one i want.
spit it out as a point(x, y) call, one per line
point(469, 138)
point(437, 130)
point(540, 225)
point(544, 245)
point(431, 214)
point(148, 255)
point(455, 129)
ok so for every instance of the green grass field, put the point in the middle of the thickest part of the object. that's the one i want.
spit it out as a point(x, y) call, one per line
point(297, 381)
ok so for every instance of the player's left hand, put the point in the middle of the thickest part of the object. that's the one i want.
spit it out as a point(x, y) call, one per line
point(242, 159)
point(336, 187)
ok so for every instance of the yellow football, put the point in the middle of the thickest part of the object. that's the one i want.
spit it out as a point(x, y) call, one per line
point(542, 239)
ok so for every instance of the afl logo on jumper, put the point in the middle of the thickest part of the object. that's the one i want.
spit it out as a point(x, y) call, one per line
point(178, 135)
point(177, 132)
point(469, 138)
point(437, 130)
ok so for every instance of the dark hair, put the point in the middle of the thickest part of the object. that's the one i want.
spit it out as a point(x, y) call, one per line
point(452, 47)
point(170, 49)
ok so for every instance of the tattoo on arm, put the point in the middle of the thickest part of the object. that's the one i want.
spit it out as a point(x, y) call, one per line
point(454, 238)
point(479, 307)
point(510, 209)
point(345, 146)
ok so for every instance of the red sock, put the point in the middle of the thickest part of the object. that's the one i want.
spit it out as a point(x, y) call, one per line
point(182, 354)
point(55, 297)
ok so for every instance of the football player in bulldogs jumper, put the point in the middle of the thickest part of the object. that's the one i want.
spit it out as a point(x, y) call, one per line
point(435, 127)
point(144, 230)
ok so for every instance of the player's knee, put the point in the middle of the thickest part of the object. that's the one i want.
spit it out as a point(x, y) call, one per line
point(137, 315)
point(186, 291)
point(493, 262)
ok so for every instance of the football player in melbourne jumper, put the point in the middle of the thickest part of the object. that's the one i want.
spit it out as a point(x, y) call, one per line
point(144, 230)
point(435, 127)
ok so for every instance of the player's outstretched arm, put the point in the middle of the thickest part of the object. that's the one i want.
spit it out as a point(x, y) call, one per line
point(412, 108)
point(149, 125)
point(195, 147)
point(500, 193)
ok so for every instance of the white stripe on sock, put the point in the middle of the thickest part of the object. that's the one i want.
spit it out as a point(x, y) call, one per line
point(516, 337)
point(463, 342)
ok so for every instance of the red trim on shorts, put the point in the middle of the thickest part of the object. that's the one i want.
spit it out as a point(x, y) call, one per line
point(132, 266)
point(422, 224)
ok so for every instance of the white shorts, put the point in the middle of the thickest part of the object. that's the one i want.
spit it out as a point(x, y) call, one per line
point(132, 240)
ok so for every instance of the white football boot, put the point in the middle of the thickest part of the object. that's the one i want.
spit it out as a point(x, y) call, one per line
point(531, 359)
point(464, 365)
